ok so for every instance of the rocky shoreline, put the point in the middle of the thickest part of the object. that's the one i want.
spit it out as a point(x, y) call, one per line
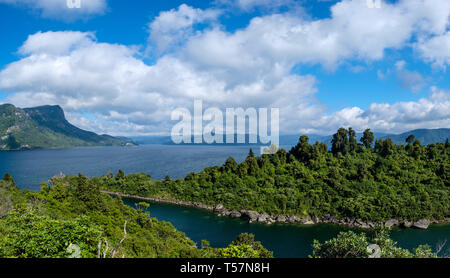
point(256, 217)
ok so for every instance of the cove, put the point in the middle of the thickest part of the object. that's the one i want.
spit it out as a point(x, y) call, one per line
point(286, 241)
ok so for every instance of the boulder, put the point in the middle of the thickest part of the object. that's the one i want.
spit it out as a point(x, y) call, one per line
point(406, 224)
point(391, 222)
point(218, 208)
point(249, 215)
point(421, 224)
point(235, 214)
point(315, 219)
point(263, 218)
point(294, 219)
point(281, 218)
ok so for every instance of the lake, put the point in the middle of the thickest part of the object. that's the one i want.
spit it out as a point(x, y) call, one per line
point(30, 168)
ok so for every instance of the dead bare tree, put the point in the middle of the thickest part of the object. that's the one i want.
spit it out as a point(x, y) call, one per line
point(105, 252)
point(114, 251)
point(121, 241)
point(440, 247)
point(5, 203)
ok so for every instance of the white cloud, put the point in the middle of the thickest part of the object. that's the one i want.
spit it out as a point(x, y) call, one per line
point(59, 9)
point(110, 82)
point(436, 50)
point(354, 31)
point(55, 43)
point(250, 67)
point(173, 27)
point(431, 112)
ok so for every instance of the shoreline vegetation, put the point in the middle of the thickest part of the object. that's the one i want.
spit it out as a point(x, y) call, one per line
point(256, 217)
point(77, 220)
point(361, 185)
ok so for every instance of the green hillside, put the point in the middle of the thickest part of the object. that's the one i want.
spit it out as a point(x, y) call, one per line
point(45, 127)
point(425, 136)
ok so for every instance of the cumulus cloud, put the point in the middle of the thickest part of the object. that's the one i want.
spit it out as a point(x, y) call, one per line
point(353, 31)
point(112, 83)
point(59, 9)
point(173, 27)
point(436, 50)
point(250, 67)
point(430, 112)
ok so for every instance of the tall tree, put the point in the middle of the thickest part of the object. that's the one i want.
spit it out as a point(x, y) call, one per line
point(302, 151)
point(367, 138)
point(339, 143)
point(352, 139)
point(7, 177)
point(230, 165)
point(410, 139)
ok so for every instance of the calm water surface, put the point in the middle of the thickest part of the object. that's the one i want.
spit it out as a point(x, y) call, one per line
point(286, 241)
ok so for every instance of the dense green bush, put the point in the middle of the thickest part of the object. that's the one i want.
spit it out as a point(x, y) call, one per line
point(352, 245)
point(352, 180)
point(29, 235)
point(72, 214)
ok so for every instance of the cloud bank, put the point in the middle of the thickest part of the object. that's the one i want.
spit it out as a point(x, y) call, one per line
point(250, 67)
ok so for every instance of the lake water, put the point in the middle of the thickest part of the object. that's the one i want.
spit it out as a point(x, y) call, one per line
point(286, 241)
point(29, 168)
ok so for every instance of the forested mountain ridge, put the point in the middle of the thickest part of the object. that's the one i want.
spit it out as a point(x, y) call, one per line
point(46, 127)
point(426, 137)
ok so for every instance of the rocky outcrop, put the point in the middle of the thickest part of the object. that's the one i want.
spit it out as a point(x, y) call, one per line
point(421, 224)
point(253, 216)
point(249, 215)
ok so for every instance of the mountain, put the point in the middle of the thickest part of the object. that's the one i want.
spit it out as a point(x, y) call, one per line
point(46, 127)
point(426, 137)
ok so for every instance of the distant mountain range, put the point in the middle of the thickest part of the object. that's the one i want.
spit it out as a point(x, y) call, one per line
point(46, 127)
point(426, 136)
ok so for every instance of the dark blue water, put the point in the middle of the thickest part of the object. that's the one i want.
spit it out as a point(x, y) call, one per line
point(286, 241)
point(30, 168)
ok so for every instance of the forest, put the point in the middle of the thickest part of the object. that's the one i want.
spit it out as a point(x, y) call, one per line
point(76, 220)
point(373, 181)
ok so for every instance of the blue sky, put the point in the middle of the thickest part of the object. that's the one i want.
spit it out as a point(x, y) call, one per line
point(325, 64)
